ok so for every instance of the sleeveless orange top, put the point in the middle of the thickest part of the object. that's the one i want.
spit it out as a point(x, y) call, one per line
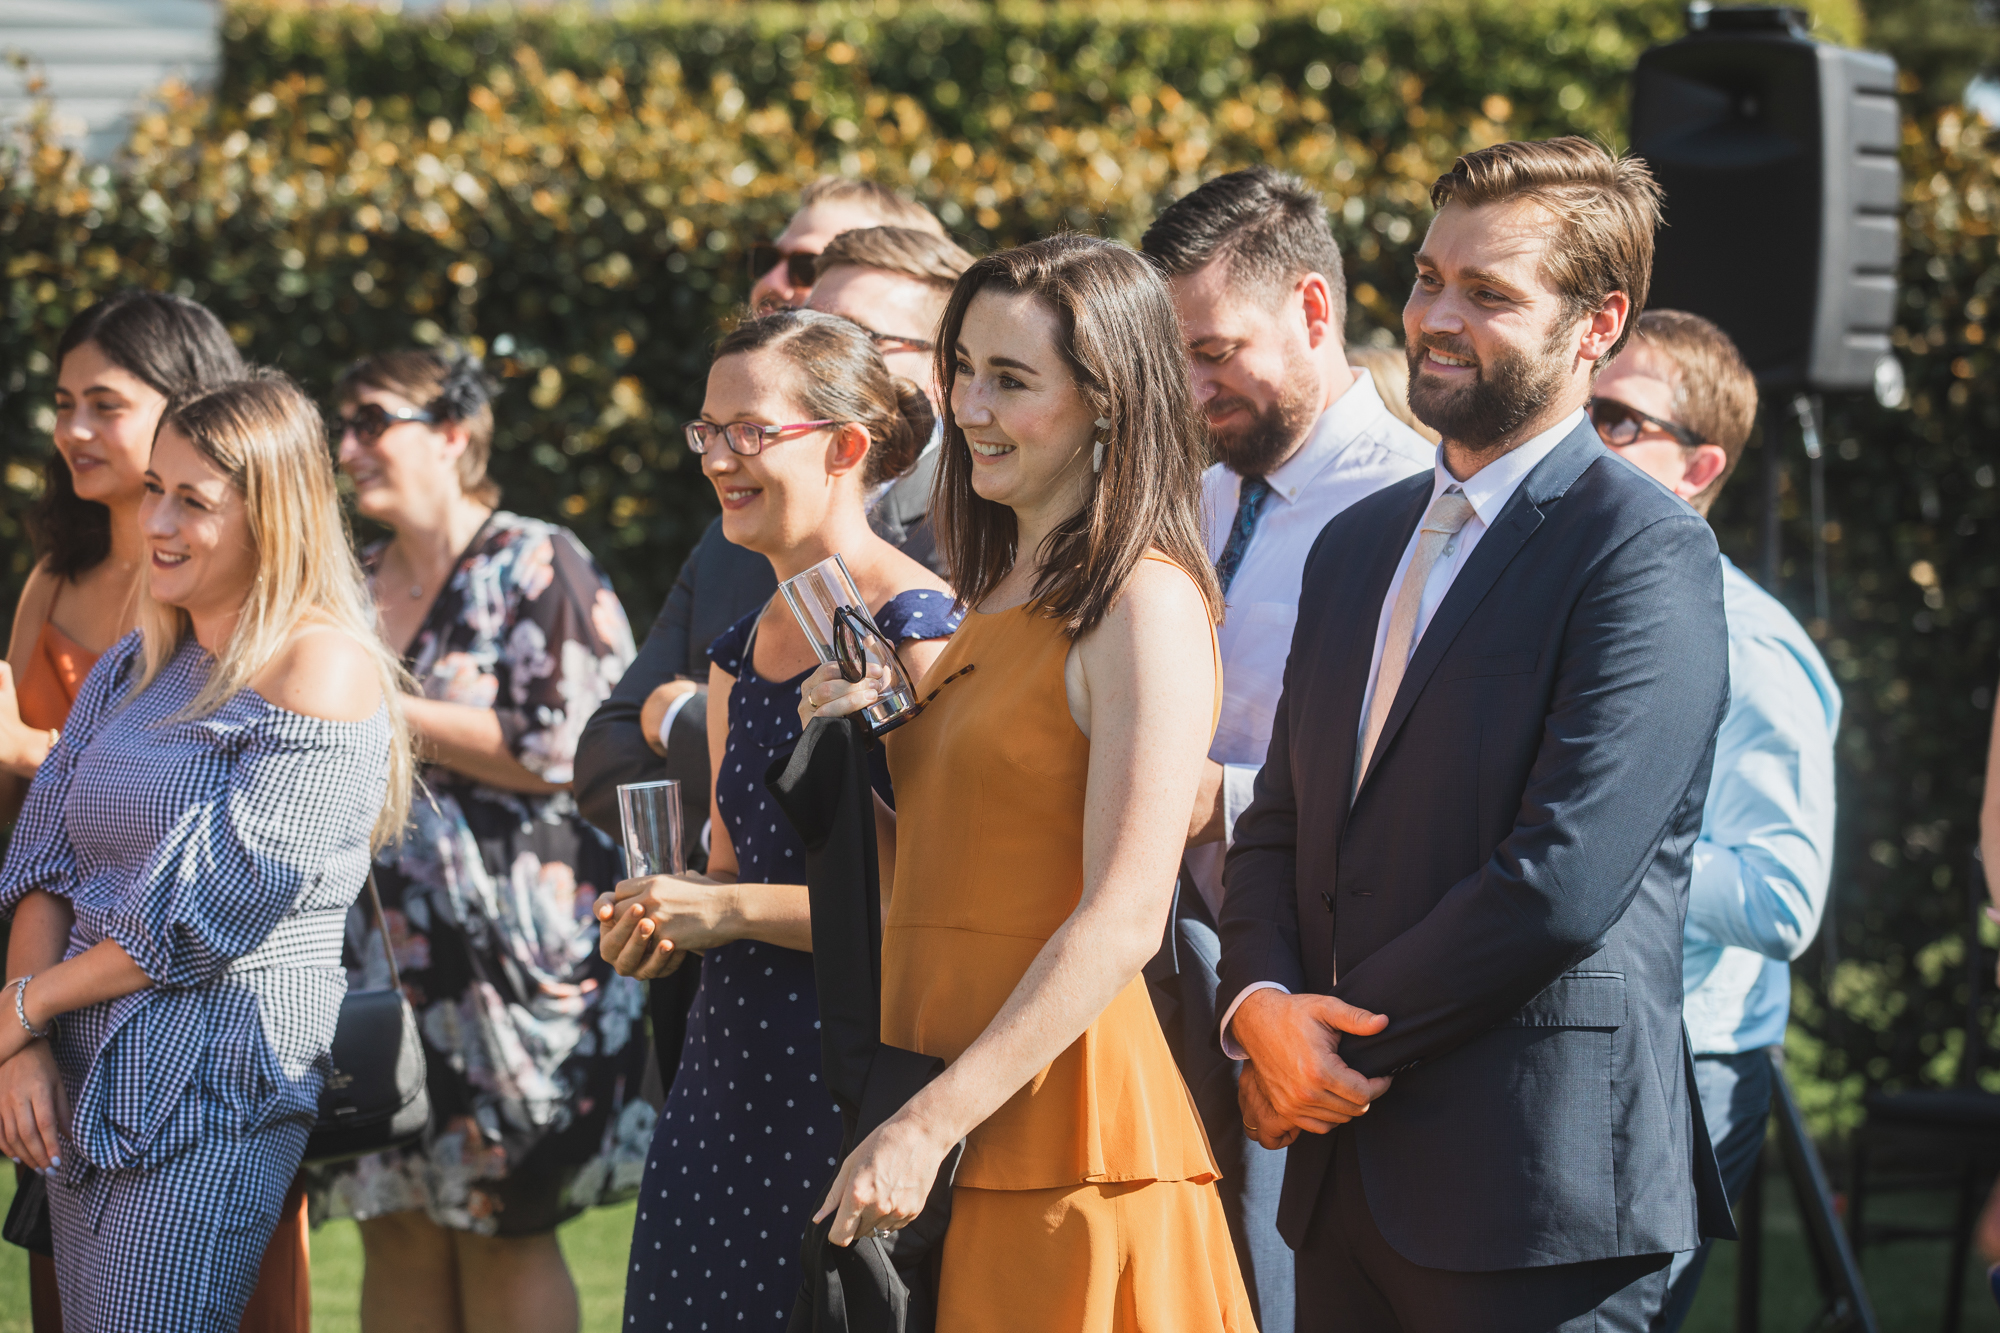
point(989, 863)
point(46, 684)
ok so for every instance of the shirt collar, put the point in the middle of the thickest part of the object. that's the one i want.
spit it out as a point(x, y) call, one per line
point(1490, 488)
point(1345, 420)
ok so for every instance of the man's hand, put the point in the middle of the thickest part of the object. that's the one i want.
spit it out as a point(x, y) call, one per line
point(654, 711)
point(1292, 1042)
point(1261, 1120)
point(33, 1107)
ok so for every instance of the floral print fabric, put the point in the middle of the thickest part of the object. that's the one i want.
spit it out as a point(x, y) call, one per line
point(536, 1047)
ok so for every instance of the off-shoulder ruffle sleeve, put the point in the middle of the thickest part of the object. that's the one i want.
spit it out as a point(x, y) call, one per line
point(261, 847)
point(40, 856)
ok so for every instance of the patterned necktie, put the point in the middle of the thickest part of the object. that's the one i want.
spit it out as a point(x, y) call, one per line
point(1249, 504)
point(1448, 513)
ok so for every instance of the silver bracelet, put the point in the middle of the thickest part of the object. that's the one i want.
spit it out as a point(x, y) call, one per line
point(21, 1009)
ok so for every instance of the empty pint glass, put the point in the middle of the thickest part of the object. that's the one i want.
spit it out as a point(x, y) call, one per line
point(841, 631)
point(649, 817)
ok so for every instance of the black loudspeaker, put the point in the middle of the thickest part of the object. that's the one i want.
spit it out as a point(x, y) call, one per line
point(1778, 157)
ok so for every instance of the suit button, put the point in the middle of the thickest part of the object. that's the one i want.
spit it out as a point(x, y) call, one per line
point(1326, 898)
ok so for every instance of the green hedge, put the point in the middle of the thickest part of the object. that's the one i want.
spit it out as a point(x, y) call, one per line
point(574, 193)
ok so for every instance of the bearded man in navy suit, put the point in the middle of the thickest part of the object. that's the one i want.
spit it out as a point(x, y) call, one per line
point(1452, 926)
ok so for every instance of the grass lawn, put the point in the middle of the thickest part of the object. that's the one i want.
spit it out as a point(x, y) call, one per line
point(1905, 1280)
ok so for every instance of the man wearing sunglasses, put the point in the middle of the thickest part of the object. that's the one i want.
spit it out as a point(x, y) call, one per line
point(1679, 405)
point(894, 282)
point(781, 273)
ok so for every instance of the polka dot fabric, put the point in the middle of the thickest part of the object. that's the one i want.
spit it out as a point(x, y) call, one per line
point(749, 1137)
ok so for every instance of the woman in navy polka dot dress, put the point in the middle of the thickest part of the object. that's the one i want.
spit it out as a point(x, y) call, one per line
point(800, 425)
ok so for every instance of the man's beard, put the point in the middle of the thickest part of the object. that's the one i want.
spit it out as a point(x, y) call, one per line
point(1272, 434)
point(1510, 389)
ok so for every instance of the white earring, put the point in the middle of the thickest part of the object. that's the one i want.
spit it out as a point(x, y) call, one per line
point(1097, 445)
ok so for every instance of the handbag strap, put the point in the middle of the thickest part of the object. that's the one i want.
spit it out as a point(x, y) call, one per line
point(382, 930)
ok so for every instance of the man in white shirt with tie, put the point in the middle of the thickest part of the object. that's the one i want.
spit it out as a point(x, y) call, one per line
point(1301, 435)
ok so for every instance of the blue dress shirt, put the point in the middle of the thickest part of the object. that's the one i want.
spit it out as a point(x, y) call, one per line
point(1761, 865)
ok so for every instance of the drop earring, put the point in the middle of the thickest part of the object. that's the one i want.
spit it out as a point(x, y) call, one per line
point(1097, 445)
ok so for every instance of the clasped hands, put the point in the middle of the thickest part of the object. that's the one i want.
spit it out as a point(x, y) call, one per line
point(647, 927)
point(1295, 1079)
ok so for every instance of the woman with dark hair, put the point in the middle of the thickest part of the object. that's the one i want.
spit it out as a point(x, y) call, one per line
point(1044, 805)
point(117, 364)
point(801, 423)
point(514, 637)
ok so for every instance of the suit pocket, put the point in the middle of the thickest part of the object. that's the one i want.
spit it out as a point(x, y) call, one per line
point(1501, 664)
point(1577, 1000)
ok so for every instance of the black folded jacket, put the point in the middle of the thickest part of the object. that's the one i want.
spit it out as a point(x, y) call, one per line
point(873, 1286)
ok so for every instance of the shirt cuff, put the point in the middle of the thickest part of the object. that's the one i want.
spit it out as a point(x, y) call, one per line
point(1229, 1046)
point(673, 711)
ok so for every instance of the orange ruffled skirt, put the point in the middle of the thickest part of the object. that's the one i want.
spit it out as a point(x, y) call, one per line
point(1147, 1256)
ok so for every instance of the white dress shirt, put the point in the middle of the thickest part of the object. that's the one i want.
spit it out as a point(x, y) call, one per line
point(1488, 490)
point(1356, 448)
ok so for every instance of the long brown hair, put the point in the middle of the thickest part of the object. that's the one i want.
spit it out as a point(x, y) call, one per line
point(1123, 345)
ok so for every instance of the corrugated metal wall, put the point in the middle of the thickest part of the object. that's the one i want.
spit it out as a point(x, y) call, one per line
point(101, 57)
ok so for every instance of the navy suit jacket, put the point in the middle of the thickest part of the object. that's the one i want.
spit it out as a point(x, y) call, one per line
point(1510, 880)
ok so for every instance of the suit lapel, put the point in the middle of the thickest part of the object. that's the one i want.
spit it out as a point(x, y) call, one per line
point(1360, 619)
point(1518, 520)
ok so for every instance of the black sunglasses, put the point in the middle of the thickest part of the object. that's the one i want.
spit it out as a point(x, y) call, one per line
point(1619, 424)
point(369, 420)
point(799, 264)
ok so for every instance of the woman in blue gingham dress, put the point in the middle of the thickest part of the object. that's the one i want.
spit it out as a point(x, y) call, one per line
point(180, 877)
point(222, 854)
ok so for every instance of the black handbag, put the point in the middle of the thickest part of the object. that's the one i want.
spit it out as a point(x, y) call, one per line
point(27, 1222)
point(377, 1095)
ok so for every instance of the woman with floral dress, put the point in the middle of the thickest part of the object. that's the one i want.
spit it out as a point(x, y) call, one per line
point(801, 422)
point(514, 637)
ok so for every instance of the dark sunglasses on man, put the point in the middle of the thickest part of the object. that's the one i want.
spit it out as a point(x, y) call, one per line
point(1619, 424)
point(798, 264)
point(369, 420)
point(888, 343)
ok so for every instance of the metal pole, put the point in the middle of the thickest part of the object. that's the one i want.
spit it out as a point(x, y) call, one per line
point(1809, 409)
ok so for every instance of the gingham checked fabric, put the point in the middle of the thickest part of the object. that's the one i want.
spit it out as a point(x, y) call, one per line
point(222, 853)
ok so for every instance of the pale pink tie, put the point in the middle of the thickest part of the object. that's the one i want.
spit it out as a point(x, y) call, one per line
point(1448, 513)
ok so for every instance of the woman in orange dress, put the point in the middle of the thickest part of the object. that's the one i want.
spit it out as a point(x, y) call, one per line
point(1043, 799)
point(117, 365)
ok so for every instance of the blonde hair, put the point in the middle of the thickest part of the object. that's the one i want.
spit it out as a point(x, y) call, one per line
point(893, 209)
point(265, 435)
point(1390, 369)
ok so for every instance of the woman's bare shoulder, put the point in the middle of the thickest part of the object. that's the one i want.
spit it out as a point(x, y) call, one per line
point(1159, 592)
point(323, 672)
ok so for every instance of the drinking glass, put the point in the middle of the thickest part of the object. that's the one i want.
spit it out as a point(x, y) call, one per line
point(649, 817)
point(841, 631)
